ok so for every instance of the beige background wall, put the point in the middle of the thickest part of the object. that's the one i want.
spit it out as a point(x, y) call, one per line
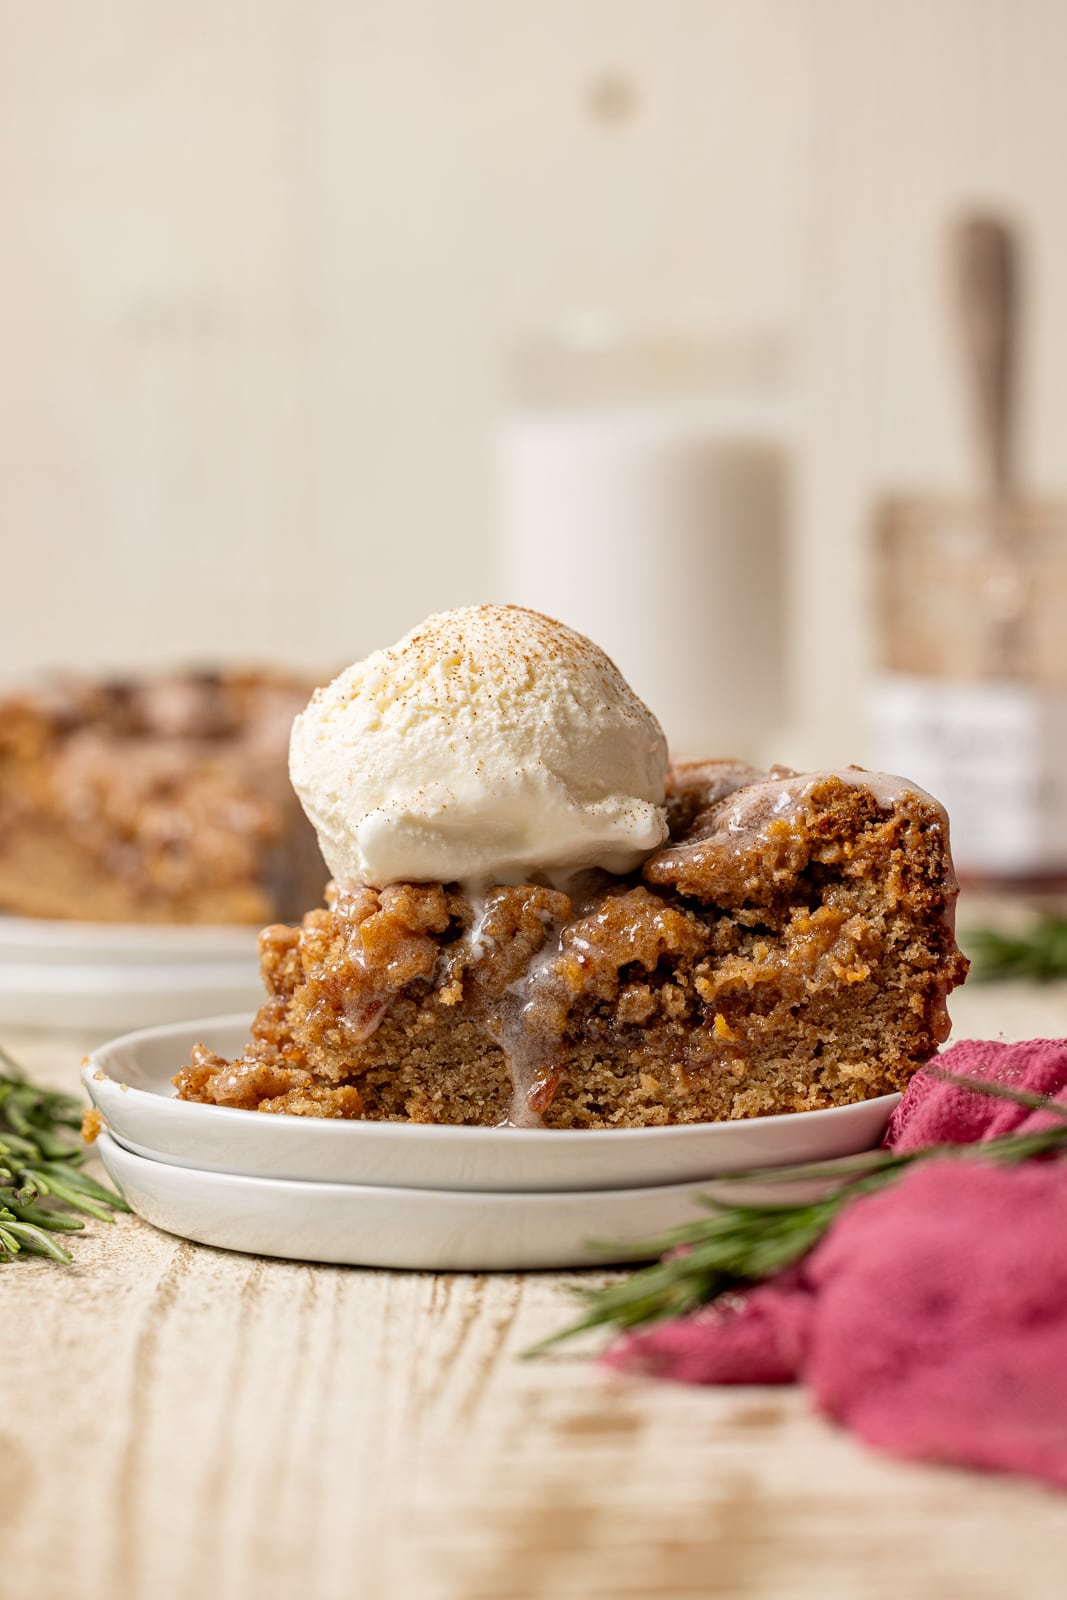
point(261, 260)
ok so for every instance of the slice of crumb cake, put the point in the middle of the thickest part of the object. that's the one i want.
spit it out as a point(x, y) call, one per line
point(789, 947)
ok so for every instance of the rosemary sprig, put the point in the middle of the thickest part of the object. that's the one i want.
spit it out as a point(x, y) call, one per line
point(1040, 953)
point(734, 1246)
point(41, 1181)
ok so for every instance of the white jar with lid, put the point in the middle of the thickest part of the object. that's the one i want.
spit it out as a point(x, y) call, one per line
point(643, 498)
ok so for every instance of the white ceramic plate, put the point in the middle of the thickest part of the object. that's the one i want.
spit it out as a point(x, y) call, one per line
point(367, 1225)
point(129, 1081)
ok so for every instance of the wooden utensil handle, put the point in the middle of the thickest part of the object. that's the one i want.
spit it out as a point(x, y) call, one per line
point(987, 287)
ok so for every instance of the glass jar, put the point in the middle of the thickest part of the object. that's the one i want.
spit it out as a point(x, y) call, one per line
point(971, 695)
point(643, 498)
point(973, 589)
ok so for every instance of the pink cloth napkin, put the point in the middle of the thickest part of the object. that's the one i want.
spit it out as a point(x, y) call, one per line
point(935, 1112)
point(932, 1318)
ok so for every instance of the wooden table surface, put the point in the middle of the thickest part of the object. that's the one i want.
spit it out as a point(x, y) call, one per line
point(181, 1421)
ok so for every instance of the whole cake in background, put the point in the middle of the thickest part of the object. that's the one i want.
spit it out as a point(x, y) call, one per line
point(154, 799)
point(535, 920)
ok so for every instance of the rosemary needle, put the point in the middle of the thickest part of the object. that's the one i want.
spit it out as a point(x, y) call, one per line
point(41, 1181)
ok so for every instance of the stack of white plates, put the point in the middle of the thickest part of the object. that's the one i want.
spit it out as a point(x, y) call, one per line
point(390, 1194)
point(110, 975)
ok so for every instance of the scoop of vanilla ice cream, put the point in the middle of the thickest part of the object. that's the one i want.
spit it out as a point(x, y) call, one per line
point(489, 744)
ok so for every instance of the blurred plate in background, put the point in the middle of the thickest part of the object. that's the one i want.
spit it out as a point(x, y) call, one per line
point(39, 940)
point(118, 976)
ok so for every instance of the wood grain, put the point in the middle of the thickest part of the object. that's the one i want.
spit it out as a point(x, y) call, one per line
point(182, 1422)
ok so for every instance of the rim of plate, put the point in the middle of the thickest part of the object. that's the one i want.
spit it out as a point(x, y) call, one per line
point(515, 1198)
